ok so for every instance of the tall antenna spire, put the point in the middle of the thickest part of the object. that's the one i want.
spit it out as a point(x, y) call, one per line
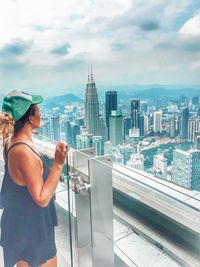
point(88, 76)
point(92, 78)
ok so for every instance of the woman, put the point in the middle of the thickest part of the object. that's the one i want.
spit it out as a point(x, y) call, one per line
point(27, 194)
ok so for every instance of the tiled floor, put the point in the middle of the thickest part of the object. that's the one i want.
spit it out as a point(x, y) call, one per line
point(130, 249)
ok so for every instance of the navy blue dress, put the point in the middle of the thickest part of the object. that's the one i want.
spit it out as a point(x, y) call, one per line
point(27, 230)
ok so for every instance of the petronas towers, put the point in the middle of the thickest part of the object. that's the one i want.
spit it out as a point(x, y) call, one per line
point(91, 107)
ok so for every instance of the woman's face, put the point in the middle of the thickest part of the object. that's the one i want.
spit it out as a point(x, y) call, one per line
point(36, 118)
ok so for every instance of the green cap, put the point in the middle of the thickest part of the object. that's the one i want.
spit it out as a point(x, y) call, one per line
point(16, 103)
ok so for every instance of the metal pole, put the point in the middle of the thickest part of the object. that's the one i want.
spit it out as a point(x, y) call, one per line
point(69, 213)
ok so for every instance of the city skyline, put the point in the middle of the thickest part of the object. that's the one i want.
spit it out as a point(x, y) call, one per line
point(47, 46)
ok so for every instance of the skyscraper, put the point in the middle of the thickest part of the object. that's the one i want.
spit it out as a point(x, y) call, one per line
point(45, 128)
point(141, 125)
point(186, 168)
point(195, 100)
point(75, 131)
point(103, 131)
point(110, 104)
point(127, 125)
point(183, 99)
point(91, 107)
point(80, 121)
point(135, 111)
point(84, 140)
point(115, 122)
point(193, 127)
point(68, 132)
point(197, 142)
point(146, 124)
point(172, 126)
point(184, 123)
point(97, 142)
point(157, 121)
point(198, 112)
point(56, 127)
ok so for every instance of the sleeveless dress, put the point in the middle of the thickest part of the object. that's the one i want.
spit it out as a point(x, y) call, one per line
point(27, 230)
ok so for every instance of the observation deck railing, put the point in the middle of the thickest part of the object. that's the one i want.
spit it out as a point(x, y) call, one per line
point(96, 189)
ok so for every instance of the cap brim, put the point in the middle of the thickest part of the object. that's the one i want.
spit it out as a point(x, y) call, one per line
point(37, 99)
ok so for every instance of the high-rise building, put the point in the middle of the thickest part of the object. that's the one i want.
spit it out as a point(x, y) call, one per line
point(184, 123)
point(62, 136)
point(136, 162)
point(144, 107)
point(135, 112)
point(195, 100)
point(68, 132)
point(80, 121)
point(91, 107)
point(103, 131)
point(98, 144)
point(193, 127)
point(198, 112)
point(56, 127)
point(197, 142)
point(172, 126)
point(75, 131)
point(45, 128)
point(146, 124)
point(157, 121)
point(107, 147)
point(160, 165)
point(115, 122)
point(110, 104)
point(178, 124)
point(141, 125)
point(186, 168)
point(183, 99)
point(84, 140)
point(127, 125)
point(158, 104)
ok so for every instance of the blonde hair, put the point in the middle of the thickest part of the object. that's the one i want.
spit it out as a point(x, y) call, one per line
point(6, 126)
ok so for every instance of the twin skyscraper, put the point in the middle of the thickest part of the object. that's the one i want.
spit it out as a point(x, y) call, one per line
point(92, 115)
point(113, 117)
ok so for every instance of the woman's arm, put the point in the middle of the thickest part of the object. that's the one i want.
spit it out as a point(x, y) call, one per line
point(30, 168)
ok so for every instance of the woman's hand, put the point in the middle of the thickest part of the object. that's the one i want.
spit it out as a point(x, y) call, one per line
point(61, 153)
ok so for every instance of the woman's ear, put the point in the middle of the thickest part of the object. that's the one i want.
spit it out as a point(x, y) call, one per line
point(30, 119)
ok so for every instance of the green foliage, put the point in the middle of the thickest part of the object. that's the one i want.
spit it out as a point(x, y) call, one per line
point(166, 149)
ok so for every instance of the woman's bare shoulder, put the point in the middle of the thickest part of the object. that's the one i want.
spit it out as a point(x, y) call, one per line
point(21, 152)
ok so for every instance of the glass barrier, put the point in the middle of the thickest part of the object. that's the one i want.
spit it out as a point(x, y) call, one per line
point(99, 193)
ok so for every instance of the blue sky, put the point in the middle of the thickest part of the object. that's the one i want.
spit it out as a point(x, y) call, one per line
point(47, 46)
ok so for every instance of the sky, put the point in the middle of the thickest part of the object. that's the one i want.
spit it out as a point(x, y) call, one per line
point(48, 46)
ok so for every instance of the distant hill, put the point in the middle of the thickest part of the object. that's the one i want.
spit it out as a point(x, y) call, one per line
point(62, 100)
point(155, 93)
point(151, 91)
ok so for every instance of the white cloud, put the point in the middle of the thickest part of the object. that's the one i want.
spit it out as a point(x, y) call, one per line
point(195, 65)
point(191, 27)
point(61, 20)
point(126, 40)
